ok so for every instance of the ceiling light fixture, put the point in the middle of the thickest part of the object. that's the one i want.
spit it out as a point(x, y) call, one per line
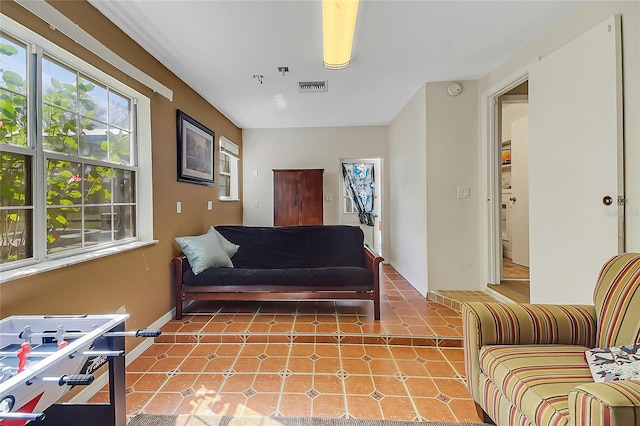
point(258, 77)
point(338, 28)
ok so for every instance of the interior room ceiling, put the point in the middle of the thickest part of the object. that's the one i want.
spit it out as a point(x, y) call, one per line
point(217, 46)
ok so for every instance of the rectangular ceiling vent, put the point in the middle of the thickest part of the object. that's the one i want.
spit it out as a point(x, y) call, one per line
point(312, 86)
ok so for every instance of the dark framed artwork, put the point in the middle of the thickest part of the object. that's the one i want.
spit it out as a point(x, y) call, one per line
point(195, 151)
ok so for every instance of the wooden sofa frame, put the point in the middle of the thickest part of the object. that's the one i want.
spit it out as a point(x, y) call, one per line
point(257, 292)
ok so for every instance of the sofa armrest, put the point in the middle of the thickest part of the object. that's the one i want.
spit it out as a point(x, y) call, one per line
point(495, 323)
point(179, 265)
point(372, 262)
point(371, 259)
point(614, 403)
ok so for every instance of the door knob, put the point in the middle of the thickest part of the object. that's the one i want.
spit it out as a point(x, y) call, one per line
point(512, 199)
point(607, 200)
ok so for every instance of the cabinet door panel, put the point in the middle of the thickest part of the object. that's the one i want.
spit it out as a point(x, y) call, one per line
point(285, 198)
point(310, 196)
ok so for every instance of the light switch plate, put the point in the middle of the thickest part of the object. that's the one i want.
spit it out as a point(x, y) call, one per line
point(209, 205)
point(179, 207)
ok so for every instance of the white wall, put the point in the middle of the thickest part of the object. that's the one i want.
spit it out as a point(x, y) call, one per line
point(452, 155)
point(430, 149)
point(584, 18)
point(408, 192)
point(511, 112)
point(304, 148)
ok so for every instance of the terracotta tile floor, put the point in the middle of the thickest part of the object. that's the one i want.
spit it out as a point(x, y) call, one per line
point(326, 359)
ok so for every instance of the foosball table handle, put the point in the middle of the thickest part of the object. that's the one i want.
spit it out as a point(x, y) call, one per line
point(22, 416)
point(148, 333)
point(76, 380)
point(138, 333)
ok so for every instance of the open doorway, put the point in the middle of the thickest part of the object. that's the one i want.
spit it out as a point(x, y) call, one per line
point(349, 213)
point(514, 180)
point(512, 140)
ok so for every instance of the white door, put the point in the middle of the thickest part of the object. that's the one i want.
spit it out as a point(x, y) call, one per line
point(519, 200)
point(575, 153)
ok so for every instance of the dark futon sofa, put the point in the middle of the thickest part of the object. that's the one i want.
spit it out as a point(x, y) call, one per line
point(297, 262)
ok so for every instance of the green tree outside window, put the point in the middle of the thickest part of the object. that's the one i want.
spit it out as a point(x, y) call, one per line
point(80, 118)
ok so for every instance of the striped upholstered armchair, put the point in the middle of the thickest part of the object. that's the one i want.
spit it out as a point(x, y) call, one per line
point(525, 363)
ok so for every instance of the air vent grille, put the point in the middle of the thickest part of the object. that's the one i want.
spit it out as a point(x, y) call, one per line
point(312, 86)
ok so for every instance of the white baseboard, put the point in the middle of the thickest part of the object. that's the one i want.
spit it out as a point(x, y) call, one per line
point(101, 381)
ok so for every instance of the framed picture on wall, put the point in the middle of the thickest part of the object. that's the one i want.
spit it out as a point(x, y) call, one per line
point(195, 151)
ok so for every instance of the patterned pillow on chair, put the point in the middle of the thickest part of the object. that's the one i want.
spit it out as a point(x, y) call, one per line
point(614, 363)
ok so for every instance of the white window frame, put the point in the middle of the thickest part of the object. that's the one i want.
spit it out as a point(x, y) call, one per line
point(144, 179)
point(348, 206)
point(232, 151)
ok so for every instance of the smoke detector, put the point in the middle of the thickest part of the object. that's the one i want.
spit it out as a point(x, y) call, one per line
point(454, 88)
point(312, 86)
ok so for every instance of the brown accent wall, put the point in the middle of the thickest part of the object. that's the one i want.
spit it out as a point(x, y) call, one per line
point(140, 279)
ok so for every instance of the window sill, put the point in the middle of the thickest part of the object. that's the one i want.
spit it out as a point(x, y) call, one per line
point(229, 199)
point(53, 264)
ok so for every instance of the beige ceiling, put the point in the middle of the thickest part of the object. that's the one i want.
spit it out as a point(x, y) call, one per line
point(217, 46)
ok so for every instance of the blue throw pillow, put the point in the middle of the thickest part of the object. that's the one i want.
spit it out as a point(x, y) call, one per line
point(204, 252)
point(227, 245)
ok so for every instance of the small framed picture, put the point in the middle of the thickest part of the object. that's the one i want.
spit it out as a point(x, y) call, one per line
point(195, 151)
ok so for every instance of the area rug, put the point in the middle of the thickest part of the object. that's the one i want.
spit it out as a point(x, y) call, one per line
point(194, 420)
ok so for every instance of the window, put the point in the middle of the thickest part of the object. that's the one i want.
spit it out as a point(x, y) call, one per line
point(229, 159)
point(348, 206)
point(74, 154)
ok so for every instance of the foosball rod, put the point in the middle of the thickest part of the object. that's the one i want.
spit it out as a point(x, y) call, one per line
point(71, 334)
point(36, 354)
point(21, 416)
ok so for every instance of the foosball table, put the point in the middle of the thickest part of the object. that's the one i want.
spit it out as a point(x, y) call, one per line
point(43, 357)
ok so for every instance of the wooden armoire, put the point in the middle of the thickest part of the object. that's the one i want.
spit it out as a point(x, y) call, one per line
point(297, 197)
